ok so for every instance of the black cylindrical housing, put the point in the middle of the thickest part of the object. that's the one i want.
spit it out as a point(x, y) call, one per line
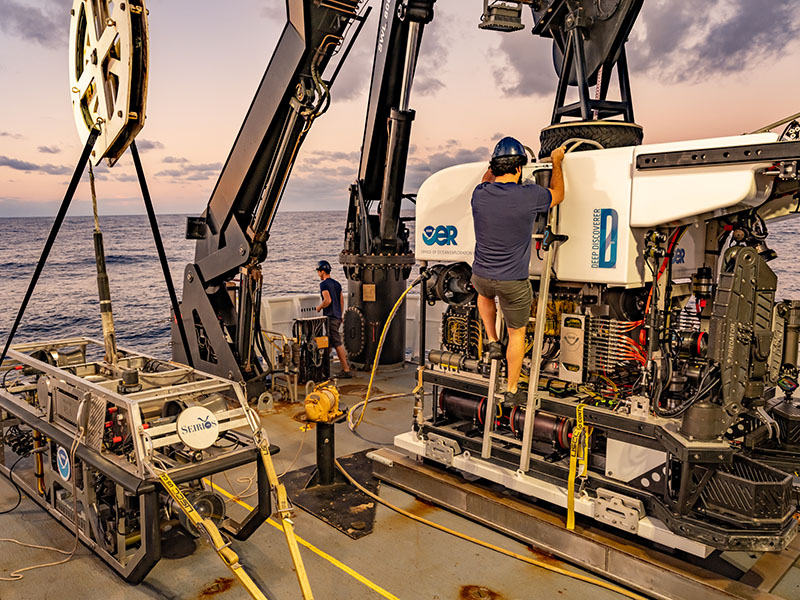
point(361, 336)
point(460, 406)
point(325, 454)
point(394, 175)
point(453, 360)
point(102, 276)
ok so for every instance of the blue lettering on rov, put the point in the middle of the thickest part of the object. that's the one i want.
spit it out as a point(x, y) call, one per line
point(605, 224)
point(442, 235)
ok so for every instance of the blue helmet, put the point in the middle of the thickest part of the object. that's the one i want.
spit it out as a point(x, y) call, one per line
point(510, 146)
point(324, 265)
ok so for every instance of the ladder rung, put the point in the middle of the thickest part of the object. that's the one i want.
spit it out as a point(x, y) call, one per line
point(505, 438)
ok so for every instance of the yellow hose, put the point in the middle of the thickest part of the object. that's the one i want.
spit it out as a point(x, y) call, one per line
point(363, 403)
point(468, 538)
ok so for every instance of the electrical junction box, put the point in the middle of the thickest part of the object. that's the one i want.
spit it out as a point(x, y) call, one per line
point(571, 363)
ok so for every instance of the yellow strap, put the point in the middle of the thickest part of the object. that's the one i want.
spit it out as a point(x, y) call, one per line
point(578, 456)
point(207, 526)
point(284, 511)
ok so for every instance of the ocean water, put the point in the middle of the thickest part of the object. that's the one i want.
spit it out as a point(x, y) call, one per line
point(65, 301)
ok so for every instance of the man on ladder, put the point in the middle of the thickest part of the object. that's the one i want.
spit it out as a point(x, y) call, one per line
point(504, 210)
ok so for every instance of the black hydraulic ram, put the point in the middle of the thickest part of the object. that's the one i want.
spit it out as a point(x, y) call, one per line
point(550, 429)
point(377, 256)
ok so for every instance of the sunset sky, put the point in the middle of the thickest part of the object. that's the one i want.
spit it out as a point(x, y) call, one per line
point(699, 68)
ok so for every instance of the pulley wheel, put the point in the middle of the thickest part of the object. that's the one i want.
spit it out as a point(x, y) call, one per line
point(108, 72)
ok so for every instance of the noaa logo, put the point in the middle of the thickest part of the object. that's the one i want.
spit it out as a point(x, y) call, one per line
point(442, 235)
point(197, 427)
point(63, 464)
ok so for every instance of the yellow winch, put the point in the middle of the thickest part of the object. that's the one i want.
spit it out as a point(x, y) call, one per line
point(322, 405)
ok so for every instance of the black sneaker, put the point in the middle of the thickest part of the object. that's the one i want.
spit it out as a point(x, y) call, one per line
point(343, 375)
point(518, 398)
point(495, 350)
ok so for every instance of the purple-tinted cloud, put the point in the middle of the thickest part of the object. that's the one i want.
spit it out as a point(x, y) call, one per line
point(28, 167)
point(145, 145)
point(48, 25)
point(49, 149)
point(692, 41)
point(674, 41)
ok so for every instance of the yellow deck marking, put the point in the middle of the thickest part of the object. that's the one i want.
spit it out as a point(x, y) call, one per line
point(334, 561)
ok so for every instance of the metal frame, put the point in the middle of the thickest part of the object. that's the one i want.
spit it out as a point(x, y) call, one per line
point(130, 479)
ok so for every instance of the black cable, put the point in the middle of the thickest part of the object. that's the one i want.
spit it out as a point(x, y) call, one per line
point(162, 256)
point(16, 487)
point(5, 387)
point(704, 388)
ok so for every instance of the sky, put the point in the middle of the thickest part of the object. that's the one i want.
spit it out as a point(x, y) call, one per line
point(698, 69)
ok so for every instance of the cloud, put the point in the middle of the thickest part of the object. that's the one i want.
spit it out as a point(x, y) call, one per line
point(679, 41)
point(49, 149)
point(48, 26)
point(433, 55)
point(174, 159)
point(276, 11)
point(126, 177)
point(526, 67)
point(326, 155)
point(191, 172)
point(674, 41)
point(21, 165)
point(145, 145)
point(15, 136)
point(420, 169)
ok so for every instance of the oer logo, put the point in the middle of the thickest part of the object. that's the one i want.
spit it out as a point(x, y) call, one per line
point(442, 235)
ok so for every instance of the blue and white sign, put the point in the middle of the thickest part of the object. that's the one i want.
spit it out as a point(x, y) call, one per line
point(62, 461)
point(442, 235)
point(605, 223)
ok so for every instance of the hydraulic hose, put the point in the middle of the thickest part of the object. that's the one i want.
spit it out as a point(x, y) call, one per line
point(363, 404)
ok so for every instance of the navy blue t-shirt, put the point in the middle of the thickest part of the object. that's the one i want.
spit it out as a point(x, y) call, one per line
point(334, 309)
point(503, 214)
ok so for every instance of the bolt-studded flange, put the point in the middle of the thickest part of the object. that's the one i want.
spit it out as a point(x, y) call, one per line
point(108, 72)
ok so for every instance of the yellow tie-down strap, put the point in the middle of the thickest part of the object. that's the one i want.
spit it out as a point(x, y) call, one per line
point(284, 511)
point(212, 534)
point(578, 457)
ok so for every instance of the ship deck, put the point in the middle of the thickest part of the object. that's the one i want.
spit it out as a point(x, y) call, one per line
point(400, 559)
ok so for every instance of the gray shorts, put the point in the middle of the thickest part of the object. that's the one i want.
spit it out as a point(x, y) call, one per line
point(334, 332)
point(515, 298)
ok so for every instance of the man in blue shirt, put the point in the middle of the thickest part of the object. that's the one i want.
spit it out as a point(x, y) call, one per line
point(331, 306)
point(503, 211)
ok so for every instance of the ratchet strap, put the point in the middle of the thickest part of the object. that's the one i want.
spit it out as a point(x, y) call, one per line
point(209, 531)
point(285, 512)
point(578, 462)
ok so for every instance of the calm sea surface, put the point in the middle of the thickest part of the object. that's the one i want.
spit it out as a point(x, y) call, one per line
point(65, 301)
